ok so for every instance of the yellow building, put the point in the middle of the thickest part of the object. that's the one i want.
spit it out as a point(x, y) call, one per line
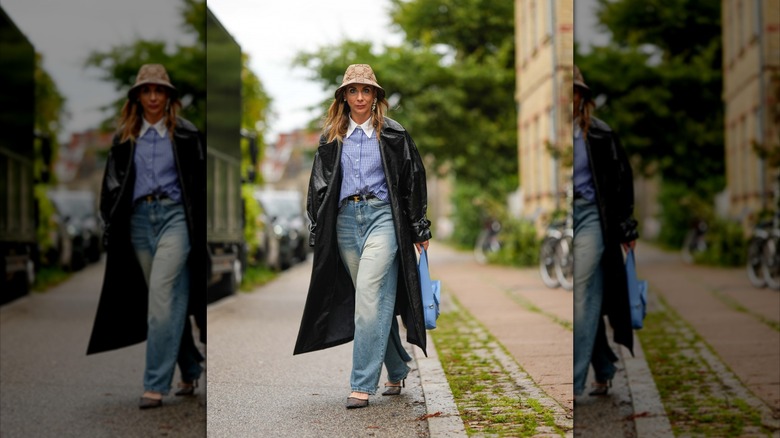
point(544, 53)
point(751, 75)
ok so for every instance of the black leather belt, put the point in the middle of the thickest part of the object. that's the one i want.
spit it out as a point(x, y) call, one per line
point(578, 195)
point(359, 197)
point(151, 197)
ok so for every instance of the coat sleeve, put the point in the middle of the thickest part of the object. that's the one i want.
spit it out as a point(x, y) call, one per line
point(318, 186)
point(415, 194)
point(109, 193)
point(627, 225)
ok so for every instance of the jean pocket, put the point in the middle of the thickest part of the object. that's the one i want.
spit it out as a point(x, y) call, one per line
point(377, 203)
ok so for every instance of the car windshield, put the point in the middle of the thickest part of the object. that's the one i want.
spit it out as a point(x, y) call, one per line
point(73, 205)
point(283, 207)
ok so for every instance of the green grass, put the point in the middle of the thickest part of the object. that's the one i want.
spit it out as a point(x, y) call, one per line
point(48, 277)
point(256, 276)
point(731, 302)
point(488, 398)
point(697, 400)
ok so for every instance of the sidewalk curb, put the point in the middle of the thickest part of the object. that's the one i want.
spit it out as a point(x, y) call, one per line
point(438, 396)
point(650, 416)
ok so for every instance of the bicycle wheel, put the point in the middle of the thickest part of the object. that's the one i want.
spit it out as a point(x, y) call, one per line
point(564, 266)
point(754, 269)
point(479, 248)
point(689, 247)
point(547, 263)
point(771, 265)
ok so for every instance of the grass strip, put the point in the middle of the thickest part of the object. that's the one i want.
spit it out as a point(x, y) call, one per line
point(731, 302)
point(48, 277)
point(531, 307)
point(489, 400)
point(256, 276)
point(697, 400)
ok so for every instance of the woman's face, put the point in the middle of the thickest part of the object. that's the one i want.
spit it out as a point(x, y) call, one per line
point(359, 98)
point(153, 98)
point(577, 100)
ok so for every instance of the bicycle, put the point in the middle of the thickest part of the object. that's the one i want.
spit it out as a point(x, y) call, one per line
point(755, 254)
point(564, 251)
point(547, 253)
point(770, 255)
point(695, 241)
point(487, 241)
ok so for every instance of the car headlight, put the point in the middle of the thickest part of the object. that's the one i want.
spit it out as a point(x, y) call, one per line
point(278, 230)
point(72, 230)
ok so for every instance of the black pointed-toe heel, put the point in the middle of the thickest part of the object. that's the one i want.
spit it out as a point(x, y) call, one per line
point(394, 389)
point(149, 403)
point(356, 403)
point(187, 388)
point(601, 389)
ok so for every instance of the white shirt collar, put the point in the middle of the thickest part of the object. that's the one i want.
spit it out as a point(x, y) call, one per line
point(159, 127)
point(366, 126)
point(577, 129)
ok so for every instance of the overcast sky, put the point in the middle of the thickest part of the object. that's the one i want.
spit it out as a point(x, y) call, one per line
point(272, 33)
point(66, 32)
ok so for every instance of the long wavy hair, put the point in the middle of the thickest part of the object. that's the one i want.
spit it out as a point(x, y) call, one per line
point(587, 105)
point(336, 120)
point(131, 117)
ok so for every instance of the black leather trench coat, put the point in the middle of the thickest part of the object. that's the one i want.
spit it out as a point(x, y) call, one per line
point(122, 311)
point(328, 316)
point(614, 184)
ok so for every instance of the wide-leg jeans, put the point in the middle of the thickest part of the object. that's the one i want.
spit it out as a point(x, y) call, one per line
point(590, 340)
point(158, 230)
point(368, 247)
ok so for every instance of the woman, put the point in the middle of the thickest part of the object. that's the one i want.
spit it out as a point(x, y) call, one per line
point(367, 203)
point(151, 203)
point(603, 221)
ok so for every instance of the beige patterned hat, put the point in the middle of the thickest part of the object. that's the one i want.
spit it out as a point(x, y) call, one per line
point(578, 79)
point(152, 74)
point(360, 74)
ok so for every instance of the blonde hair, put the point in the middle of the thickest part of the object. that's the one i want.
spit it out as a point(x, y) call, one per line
point(131, 117)
point(586, 111)
point(336, 120)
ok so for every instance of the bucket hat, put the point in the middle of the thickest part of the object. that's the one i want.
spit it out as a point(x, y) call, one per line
point(579, 81)
point(152, 74)
point(360, 74)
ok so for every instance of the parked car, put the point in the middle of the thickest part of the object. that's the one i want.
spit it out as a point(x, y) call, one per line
point(79, 230)
point(286, 231)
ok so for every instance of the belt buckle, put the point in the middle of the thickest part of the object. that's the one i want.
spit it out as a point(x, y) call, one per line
point(356, 198)
point(150, 198)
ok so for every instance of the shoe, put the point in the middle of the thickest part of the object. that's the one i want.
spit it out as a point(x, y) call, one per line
point(356, 403)
point(601, 389)
point(149, 403)
point(394, 389)
point(187, 388)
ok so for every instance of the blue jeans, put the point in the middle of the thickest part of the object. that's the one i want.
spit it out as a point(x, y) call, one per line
point(368, 248)
point(158, 230)
point(590, 339)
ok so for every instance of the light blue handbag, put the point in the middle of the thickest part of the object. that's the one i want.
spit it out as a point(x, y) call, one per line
point(637, 292)
point(431, 292)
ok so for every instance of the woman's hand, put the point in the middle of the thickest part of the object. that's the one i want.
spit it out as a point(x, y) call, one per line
point(420, 246)
point(629, 245)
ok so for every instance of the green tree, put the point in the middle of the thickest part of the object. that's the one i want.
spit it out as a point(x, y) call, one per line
point(185, 65)
point(660, 83)
point(450, 84)
point(255, 114)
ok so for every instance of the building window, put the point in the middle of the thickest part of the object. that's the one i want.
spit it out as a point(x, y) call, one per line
point(757, 17)
point(550, 17)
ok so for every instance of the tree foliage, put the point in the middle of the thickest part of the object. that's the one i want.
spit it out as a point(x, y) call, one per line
point(185, 65)
point(451, 84)
point(661, 82)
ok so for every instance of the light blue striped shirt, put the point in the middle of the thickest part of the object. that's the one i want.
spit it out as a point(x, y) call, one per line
point(155, 166)
point(583, 179)
point(361, 163)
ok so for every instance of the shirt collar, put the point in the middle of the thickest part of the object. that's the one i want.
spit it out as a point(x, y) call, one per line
point(366, 126)
point(159, 127)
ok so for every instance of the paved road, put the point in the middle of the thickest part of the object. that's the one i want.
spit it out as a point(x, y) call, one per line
point(258, 388)
point(50, 388)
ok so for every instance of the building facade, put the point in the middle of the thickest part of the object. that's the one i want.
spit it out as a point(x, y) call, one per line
point(751, 90)
point(544, 53)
